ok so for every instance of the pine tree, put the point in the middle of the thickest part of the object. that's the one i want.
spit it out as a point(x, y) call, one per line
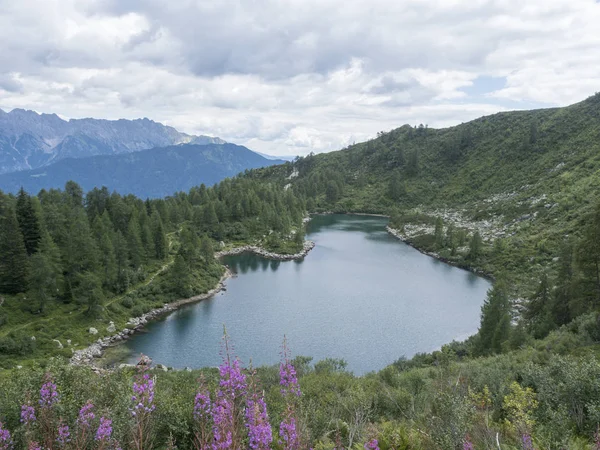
point(161, 246)
point(439, 233)
point(45, 278)
point(206, 249)
point(89, 292)
point(538, 309)
point(180, 277)
point(560, 310)
point(28, 222)
point(81, 251)
point(14, 266)
point(137, 253)
point(121, 261)
point(588, 257)
point(495, 319)
point(475, 247)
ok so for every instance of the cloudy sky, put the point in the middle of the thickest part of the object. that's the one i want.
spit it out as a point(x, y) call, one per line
point(293, 76)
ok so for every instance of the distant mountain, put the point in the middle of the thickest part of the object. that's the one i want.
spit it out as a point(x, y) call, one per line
point(29, 140)
point(282, 158)
point(157, 172)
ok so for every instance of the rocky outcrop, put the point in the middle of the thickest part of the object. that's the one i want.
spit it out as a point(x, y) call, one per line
point(308, 246)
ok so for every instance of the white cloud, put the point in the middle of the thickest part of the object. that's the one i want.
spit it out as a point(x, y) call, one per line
point(293, 76)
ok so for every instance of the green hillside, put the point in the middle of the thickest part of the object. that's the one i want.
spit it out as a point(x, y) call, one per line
point(526, 181)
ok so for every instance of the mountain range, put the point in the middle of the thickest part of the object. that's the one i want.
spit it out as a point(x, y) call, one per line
point(29, 140)
point(157, 172)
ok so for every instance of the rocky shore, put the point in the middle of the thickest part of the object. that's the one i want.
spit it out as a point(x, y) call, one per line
point(399, 235)
point(88, 355)
point(308, 246)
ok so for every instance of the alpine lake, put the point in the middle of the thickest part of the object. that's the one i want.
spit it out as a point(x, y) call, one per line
point(360, 295)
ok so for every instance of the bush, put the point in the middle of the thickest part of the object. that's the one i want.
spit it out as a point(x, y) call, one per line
point(127, 302)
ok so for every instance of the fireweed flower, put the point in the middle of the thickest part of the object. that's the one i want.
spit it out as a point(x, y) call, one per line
point(48, 393)
point(260, 434)
point(291, 391)
point(104, 430)
point(86, 415)
point(6, 442)
point(527, 442)
point(64, 435)
point(289, 434)
point(372, 445)
point(143, 395)
point(202, 406)
point(468, 445)
point(27, 414)
point(228, 410)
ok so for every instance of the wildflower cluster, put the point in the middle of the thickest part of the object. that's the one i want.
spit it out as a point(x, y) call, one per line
point(27, 414)
point(372, 445)
point(48, 393)
point(6, 442)
point(64, 435)
point(233, 418)
point(143, 395)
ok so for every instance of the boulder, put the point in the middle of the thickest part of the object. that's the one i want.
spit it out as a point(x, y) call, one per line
point(111, 327)
point(59, 344)
point(92, 330)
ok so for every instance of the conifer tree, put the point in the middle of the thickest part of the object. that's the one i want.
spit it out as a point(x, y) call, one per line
point(159, 237)
point(14, 266)
point(137, 253)
point(495, 319)
point(180, 276)
point(28, 222)
point(89, 292)
point(439, 233)
point(475, 247)
point(45, 278)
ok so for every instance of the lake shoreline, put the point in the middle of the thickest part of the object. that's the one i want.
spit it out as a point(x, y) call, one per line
point(398, 235)
point(88, 355)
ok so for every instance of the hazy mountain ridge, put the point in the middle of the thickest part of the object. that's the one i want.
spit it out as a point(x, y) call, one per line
point(29, 140)
point(156, 172)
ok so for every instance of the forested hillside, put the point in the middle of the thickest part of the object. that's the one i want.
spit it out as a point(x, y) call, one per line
point(72, 261)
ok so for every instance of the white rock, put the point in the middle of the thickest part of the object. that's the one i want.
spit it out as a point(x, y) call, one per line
point(111, 327)
point(58, 343)
point(92, 330)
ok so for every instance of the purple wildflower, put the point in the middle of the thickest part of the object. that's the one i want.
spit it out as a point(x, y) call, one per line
point(202, 406)
point(468, 445)
point(27, 414)
point(48, 394)
point(104, 430)
point(372, 445)
point(64, 435)
point(260, 434)
point(86, 415)
point(34, 446)
point(6, 442)
point(287, 376)
point(597, 439)
point(227, 410)
point(527, 442)
point(289, 434)
point(143, 395)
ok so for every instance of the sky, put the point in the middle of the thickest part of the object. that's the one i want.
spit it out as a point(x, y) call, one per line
point(287, 77)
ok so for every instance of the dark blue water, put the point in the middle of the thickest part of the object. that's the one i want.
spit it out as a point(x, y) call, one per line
point(360, 295)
